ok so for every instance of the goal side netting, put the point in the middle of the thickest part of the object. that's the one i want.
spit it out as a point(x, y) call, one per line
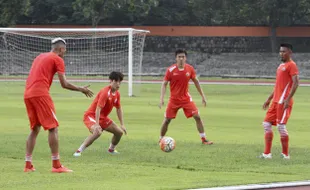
point(91, 53)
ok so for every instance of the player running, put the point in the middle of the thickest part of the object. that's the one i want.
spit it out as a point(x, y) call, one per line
point(179, 75)
point(287, 82)
point(39, 104)
point(96, 117)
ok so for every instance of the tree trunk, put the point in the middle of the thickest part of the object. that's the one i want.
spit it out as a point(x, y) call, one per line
point(273, 39)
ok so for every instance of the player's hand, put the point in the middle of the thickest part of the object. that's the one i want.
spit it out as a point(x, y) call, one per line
point(204, 102)
point(161, 103)
point(266, 105)
point(124, 129)
point(97, 128)
point(286, 103)
point(87, 91)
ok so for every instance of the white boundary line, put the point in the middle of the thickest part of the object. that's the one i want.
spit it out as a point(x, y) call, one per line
point(159, 82)
point(261, 186)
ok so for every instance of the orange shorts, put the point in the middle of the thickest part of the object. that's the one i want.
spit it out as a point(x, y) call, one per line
point(89, 121)
point(41, 112)
point(277, 115)
point(189, 109)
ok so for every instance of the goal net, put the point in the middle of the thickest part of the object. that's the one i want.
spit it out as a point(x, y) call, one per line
point(92, 53)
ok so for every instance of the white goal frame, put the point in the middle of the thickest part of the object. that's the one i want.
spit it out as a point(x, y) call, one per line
point(130, 42)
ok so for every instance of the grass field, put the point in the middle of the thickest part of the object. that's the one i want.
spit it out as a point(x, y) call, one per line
point(232, 118)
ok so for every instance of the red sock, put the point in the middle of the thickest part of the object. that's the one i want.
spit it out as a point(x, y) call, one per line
point(268, 142)
point(56, 162)
point(203, 139)
point(284, 142)
point(28, 165)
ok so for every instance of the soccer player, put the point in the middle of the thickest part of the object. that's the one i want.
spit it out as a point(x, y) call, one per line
point(179, 75)
point(96, 117)
point(39, 104)
point(287, 82)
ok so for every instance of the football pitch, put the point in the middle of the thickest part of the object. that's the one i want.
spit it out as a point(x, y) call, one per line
point(232, 120)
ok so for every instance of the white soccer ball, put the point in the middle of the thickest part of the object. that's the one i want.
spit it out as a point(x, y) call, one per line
point(167, 144)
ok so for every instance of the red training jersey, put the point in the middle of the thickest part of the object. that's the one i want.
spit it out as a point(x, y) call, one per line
point(106, 100)
point(179, 81)
point(284, 81)
point(41, 74)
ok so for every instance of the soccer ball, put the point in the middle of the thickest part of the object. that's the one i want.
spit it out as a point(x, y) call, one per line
point(167, 144)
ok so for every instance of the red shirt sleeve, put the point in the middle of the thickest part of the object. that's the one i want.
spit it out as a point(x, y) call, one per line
point(193, 73)
point(118, 102)
point(167, 75)
point(293, 70)
point(102, 99)
point(60, 65)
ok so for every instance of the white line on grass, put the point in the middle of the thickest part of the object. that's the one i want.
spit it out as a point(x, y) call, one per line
point(159, 82)
point(260, 186)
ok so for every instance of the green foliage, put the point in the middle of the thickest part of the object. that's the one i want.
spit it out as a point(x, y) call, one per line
point(156, 12)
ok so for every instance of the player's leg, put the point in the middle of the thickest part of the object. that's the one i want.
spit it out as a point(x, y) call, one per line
point(270, 119)
point(191, 110)
point(282, 118)
point(171, 112)
point(47, 117)
point(31, 140)
point(89, 121)
point(117, 135)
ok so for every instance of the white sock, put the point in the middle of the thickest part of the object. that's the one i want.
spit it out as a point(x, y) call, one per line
point(82, 148)
point(28, 158)
point(202, 135)
point(55, 156)
point(112, 147)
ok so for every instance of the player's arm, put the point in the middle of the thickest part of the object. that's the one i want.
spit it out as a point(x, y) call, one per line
point(65, 84)
point(199, 89)
point(295, 85)
point(267, 102)
point(163, 92)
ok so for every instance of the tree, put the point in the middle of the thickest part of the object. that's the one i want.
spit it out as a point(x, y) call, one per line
point(11, 9)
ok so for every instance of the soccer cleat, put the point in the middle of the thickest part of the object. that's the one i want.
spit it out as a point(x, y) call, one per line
point(207, 142)
point(265, 156)
point(113, 151)
point(285, 157)
point(61, 169)
point(77, 154)
point(32, 169)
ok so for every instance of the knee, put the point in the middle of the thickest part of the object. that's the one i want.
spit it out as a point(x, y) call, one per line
point(54, 130)
point(36, 130)
point(167, 121)
point(120, 133)
point(197, 117)
point(282, 130)
point(267, 127)
point(97, 132)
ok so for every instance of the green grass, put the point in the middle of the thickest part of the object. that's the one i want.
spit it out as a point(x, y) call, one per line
point(232, 118)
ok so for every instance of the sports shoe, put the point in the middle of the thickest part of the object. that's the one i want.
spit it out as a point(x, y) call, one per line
point(285, 157)
point(265, 156)
point(207, 142)
point(32, 169)
point(113, 151)
point(62, 169)
point(77, 154)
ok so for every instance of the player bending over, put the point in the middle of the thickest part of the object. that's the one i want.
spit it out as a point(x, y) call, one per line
point(179, 75)
point(287, 82)
point(96, 117)
point(39, 104)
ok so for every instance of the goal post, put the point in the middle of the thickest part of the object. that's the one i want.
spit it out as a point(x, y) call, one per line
point(91, 52)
